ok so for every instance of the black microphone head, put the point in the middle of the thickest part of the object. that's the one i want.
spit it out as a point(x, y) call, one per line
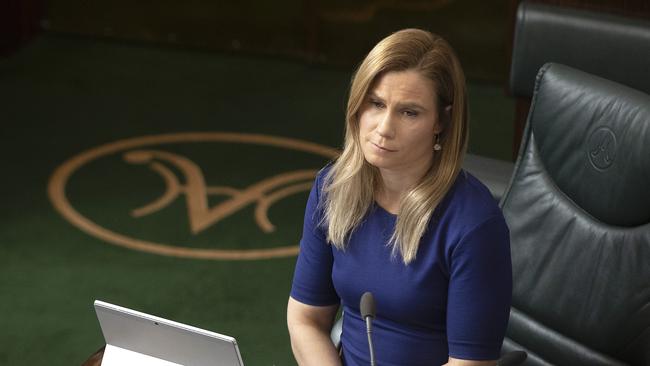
point(367, 305)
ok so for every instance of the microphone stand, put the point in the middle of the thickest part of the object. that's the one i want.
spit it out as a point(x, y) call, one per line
point(367, 306)
point(370, 345)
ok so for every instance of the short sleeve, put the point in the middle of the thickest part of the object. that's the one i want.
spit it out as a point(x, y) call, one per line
point(312, 278)
point(480, 292)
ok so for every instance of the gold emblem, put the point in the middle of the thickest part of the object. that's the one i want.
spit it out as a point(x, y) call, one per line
point(200, 216)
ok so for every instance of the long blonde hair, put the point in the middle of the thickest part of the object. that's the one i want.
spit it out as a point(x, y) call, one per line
point(351, 183)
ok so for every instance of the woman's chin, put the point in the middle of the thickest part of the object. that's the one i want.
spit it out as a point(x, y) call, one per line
point(378, 162)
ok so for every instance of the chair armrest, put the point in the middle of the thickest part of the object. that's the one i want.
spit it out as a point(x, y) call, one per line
point(335, 334)
point(495, 174)
point(512, 358)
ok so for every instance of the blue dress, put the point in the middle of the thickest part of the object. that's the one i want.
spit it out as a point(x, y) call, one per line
point(452, 300)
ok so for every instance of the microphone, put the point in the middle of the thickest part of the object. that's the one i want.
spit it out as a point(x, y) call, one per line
point(367, 306)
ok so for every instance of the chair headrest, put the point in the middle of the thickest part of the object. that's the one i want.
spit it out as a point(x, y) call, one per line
point(610, 46)
point(593, 137)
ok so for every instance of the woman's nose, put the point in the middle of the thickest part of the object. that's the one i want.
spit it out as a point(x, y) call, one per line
point(385, 126)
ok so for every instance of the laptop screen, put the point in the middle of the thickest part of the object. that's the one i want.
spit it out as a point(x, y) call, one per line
point(137, 338)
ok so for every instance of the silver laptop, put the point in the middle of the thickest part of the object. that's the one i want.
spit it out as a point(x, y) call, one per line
point(135, 338)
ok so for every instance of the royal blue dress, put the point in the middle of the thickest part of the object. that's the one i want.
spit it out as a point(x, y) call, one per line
point(453, 300)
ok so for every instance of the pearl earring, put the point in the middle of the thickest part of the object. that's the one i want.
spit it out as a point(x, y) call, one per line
point(437, 146)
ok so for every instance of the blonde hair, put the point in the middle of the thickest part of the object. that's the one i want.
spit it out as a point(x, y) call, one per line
point(351, 183)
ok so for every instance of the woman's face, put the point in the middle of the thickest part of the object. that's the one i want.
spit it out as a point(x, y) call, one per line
point(398, 122)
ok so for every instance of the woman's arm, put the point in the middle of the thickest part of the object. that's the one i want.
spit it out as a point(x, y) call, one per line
point(479, 294)
point(458, 362)
point(309, 330)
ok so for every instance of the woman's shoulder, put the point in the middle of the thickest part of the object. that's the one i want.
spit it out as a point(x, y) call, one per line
point(318, 189)
point(322, 173)
point(321, 176)
point(470, 202)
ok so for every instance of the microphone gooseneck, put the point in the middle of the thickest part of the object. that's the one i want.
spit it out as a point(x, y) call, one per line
point(367, 307)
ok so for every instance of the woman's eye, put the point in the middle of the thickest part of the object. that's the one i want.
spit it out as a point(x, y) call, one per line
point(411, 113)
point(377, 104)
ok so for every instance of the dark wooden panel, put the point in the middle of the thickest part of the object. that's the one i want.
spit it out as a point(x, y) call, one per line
point(334, 32)
point(19, 22)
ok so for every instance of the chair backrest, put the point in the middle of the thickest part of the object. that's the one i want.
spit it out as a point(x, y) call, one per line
point(611, 46)
point(578, 208)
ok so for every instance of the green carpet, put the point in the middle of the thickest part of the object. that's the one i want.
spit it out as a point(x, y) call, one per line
point(63, 96)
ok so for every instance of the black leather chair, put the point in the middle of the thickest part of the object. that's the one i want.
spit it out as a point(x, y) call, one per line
point(611, 46)
point(578, 208)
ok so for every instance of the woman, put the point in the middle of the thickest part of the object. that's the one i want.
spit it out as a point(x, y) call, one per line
point(397, 216)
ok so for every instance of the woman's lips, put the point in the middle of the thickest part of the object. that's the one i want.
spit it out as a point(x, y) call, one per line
point(381, 148)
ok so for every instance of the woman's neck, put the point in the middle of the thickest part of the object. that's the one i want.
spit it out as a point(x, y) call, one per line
point(393, 185)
